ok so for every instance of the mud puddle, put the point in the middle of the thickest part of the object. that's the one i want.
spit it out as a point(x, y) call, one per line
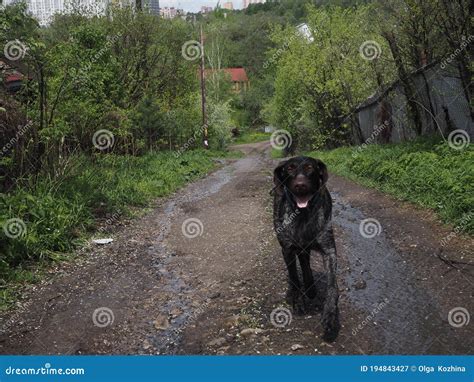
point(185, 303)
point(381, 285)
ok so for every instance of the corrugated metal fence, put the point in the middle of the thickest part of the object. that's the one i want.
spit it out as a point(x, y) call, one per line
point(440, 100)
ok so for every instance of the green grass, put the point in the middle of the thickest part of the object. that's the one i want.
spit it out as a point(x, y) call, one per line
point(277, 154)
point(252, 137)
point(426, 172)
point(58, 215)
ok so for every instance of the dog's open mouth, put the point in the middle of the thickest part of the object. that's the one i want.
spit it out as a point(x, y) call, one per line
point(302, 201)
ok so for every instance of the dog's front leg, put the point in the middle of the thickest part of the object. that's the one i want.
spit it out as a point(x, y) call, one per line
point(330, 317)
point(294, 295)
point(309, 286)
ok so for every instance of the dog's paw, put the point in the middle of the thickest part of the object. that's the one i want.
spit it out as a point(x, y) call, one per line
point(311, 292)
point(331, 325)
point(294, 298)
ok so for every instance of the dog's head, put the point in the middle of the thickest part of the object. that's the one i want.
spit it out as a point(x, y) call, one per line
point(303, 177)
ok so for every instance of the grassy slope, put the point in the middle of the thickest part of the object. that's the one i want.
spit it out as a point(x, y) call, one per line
point(59, 215)
point(428, 173)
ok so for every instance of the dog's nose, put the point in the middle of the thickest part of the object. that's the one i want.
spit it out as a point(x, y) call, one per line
point(300, 186)
point(301, 183)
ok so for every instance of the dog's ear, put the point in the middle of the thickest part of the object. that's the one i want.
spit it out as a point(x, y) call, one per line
point(323, 172)
point(279, 178)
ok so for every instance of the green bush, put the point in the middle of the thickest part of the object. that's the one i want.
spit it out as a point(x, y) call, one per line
point(426, 172)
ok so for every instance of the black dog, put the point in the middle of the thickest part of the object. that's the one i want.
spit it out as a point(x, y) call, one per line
point(302, 220)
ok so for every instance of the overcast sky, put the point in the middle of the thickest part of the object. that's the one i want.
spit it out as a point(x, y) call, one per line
point(195, 5)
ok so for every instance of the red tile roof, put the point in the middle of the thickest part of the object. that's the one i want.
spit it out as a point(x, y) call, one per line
point(13, 77)
point(236, 74)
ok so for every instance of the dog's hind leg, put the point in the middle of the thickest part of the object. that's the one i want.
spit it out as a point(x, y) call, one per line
point(330, 316)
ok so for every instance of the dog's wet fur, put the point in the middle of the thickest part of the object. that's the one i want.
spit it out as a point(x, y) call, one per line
point(302, 221)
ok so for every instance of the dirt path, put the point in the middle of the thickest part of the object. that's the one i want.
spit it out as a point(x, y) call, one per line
point(202, 274)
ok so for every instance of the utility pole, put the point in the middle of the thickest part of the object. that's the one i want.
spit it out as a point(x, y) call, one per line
point(205, 139)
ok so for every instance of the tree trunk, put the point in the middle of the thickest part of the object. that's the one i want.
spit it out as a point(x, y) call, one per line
point(405, 79)
point(465, 74)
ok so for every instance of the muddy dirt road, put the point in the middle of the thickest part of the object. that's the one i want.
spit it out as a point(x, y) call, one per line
point(202, 273)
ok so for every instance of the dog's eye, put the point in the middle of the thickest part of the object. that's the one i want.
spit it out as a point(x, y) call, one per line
point(291, 168)
point(308, 168)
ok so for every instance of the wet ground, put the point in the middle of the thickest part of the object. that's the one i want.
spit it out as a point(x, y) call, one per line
point(202, 273)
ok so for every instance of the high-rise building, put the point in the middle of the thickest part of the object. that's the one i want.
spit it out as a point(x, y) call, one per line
point(228, 5)
point(43, 10)
point(169, 12)
point(206, 9)
point(153, 6)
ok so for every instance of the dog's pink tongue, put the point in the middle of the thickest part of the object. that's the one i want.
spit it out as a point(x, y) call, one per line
point(302, 202)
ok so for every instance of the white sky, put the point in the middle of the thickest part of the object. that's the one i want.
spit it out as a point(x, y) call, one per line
point(195, 5)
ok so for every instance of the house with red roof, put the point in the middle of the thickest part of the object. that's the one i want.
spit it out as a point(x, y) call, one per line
point(10, 78)
point(238, 76)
